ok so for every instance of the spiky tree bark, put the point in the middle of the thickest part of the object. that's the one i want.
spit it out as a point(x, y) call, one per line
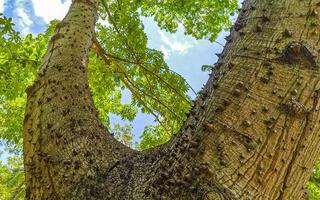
point(253, 133)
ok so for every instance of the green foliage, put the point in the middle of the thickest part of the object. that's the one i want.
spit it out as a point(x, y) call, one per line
point(123, 134)
point(153, 136)
point(314, 183)
point(107, 91)
point(200, 18)
point(12, 179)
point(154, 88)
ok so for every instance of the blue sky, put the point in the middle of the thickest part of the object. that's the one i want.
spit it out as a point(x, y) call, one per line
point(184, 54)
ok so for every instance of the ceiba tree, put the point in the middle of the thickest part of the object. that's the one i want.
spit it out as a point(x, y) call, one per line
point(253, 132)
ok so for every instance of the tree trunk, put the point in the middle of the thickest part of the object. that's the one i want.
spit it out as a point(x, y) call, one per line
point(253, 133)
point(65, 145)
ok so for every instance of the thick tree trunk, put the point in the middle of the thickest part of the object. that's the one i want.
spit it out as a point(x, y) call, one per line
point(65, 145)
point(252, 134)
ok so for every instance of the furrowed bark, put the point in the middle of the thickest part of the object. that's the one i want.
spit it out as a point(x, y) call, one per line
point(65, 145)
point(254, 131)
point(259, 112)
point(252, 134)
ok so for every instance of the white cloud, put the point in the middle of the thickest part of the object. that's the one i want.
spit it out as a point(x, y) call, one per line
point(51, 9)
point(104, 22)
point(1, 6)
point(24, 20)
point(165, 52)
point(174, 44)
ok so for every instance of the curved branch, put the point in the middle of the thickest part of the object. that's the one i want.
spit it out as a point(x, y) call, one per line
point(176, 73)
point(151, 96)
point(139, 97)
point(131, 87)
point(100, 51)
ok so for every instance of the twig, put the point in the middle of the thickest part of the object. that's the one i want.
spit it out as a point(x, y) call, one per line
point(132, 52)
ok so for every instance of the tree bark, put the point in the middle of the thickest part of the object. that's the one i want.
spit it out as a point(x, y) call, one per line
point(253, 133)
point(65, 145)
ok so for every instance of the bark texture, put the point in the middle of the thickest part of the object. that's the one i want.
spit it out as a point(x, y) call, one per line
point(65, 145)
point(253, 132)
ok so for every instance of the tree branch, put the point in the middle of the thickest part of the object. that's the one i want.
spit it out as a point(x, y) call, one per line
point(134, 55)
point(101, 52)
point(112, 59)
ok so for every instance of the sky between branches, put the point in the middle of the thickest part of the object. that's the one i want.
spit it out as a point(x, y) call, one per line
point(184, 54)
